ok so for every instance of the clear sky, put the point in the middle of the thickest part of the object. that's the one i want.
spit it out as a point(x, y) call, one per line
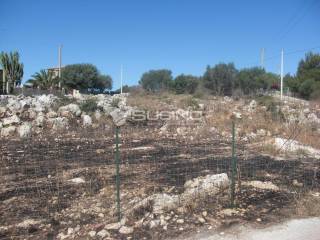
point(182, 35)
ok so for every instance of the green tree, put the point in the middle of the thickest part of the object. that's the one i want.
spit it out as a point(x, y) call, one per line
point(220, 79)
point(307, 80)
point(13, 69)
point(103, 82)
point(309, 67)
point(306, 88)
point(185, 84)
point(84, 77)
point(292, 83)
point(250, 80)
point(79, 76)
point(156, 80)
point(43, 80)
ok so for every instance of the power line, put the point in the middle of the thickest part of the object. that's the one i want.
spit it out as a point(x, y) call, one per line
point(297, 20)
point(285, 54)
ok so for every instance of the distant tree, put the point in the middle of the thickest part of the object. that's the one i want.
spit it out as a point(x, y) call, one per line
point(185, 84)
point(79, 76)
point(156, 80)
point(250, 80)
point(104, 82)
point(309, 67)
point(307, 87)
point(292, 83)
point(85, 77)
point(220, 79)
point(307, 80)
point(43, 80)
point(13, 69)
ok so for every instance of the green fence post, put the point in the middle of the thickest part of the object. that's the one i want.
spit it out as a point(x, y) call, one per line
point(117, 159)
point(233, 165)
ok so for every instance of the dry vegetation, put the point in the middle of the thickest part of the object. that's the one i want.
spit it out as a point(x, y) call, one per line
point(39, 176)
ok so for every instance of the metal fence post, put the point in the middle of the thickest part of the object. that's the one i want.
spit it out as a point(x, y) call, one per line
point(233, 165)
point(117, 160)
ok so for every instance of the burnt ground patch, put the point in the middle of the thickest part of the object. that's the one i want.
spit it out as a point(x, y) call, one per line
point(35, 174)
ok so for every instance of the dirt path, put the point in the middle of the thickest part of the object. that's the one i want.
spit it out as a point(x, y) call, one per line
point(296, 229)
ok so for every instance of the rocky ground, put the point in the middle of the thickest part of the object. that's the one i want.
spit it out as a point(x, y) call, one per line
point(57, 174)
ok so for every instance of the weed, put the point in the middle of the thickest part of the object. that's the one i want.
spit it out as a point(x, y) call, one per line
point(89, 105)
point(115, 102)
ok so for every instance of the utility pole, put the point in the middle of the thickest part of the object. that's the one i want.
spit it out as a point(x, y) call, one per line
point(121, 79)
point(281, 76)
point(262, 58)
point(60, 48)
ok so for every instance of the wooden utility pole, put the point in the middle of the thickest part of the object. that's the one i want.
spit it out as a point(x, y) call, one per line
point(281, 76)
point(262, 58)
point(121, 79)
point(60, 48)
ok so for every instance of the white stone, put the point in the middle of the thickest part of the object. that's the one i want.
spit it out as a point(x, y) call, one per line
point(59, 123)
point(119, 117)
point(77, 180)
point(86, 120)
point(70, 231)
point(293, 146)
point(92, 233)
point(73, 108)
point(11, 120)
point(52, 114)
point(25, 130)
point(113, 226)
point(39, 121)
point(154, 223)
point(103, 233)
point(262, 185)
point(204, 186)
point(126, 230)
point(3, 111)
point(28, 223)
point(180, 221)
point(201, 220)
point(8, 131)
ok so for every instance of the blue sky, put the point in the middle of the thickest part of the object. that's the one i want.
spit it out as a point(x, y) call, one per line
point(182, 35)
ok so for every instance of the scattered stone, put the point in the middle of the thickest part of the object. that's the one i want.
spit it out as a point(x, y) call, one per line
point(92, 233)
point(52, 114)
point(154, 223)
point(201, 220)
point(180, 221)
point(202, 187)
point(11, 120)
point(77, 180)
point(103, 233)
point(86, 121)
point(28, 223)
point(113, 226)
point(262, 185)
point(296, 183)
point(73, 108)
point(204, 213)
point(8, 131)
point(39, 121)
point(24, 130)
point(70, 231)
point(126, 230)
point(228, 212)
point(119, 117)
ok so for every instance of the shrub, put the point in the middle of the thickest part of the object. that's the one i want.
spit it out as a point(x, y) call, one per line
point(115, 102)
point(89, 105)
point(190, 102)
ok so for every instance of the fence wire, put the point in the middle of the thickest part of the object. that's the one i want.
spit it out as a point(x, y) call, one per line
point(69, 179)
